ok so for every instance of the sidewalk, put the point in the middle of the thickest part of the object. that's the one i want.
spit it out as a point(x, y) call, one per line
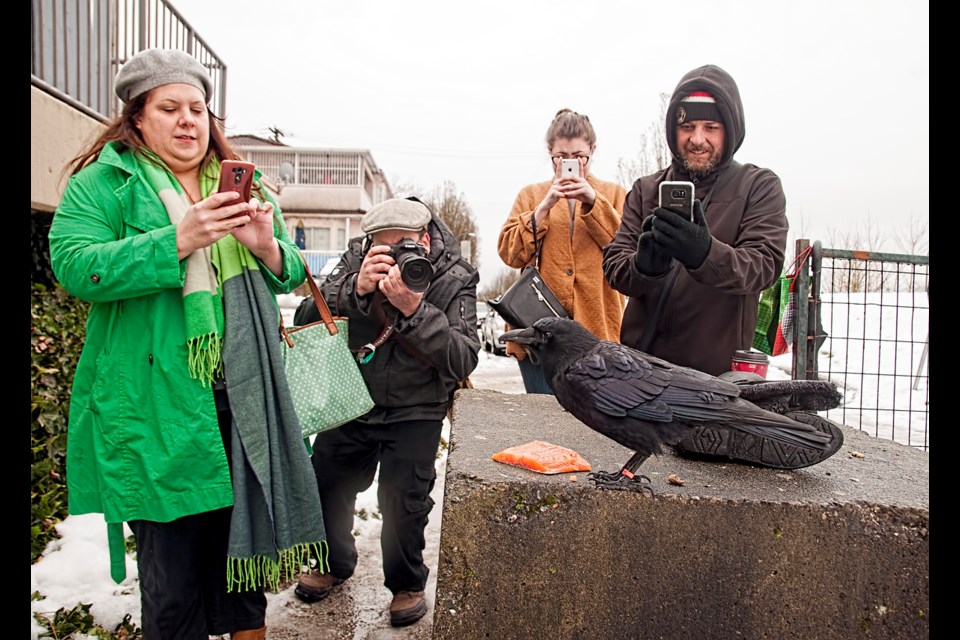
point(357, 610)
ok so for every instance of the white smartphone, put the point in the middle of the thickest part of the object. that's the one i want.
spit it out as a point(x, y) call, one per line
point(677, 196)
point(569, 168)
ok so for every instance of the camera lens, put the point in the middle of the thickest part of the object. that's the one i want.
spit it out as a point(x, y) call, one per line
point(679, 193)
point(416, 272)
point(415, 269)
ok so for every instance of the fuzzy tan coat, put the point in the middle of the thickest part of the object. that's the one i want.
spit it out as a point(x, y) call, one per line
point(572, 270)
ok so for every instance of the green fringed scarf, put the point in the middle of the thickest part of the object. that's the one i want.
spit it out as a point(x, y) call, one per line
point(232, 319)
point(202, 306)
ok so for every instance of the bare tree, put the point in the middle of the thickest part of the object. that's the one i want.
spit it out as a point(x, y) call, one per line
point(654, 154)
point(913, 237)
point(505, 277)
point(853, 275)
point(404, 188)
point(451, 206)
point(799, 229)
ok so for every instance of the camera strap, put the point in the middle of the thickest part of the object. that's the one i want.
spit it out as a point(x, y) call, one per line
point(365, 353)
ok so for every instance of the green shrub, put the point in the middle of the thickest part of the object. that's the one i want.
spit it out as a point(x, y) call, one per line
point(79, 620)
point(57, 330)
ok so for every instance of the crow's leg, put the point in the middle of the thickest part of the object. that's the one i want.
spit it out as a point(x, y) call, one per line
point(626, 479)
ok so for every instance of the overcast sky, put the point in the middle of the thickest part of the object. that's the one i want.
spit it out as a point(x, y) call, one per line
point(835, 93)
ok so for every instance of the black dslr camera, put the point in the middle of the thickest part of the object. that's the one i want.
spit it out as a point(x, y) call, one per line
point(415, 267)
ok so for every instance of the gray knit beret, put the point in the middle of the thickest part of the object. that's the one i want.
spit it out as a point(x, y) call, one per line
point(152, 68)
point(398, 213)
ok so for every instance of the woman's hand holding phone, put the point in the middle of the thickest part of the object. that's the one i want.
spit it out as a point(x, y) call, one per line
point(573, 184)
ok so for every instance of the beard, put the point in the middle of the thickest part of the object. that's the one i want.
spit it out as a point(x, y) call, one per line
point(699, 167)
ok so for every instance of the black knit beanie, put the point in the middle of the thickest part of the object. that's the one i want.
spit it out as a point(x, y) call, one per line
point(699, 105)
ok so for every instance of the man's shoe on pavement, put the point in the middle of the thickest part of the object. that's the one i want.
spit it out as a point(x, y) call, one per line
point(719, 441)
point(315, 586)
point(407, 607)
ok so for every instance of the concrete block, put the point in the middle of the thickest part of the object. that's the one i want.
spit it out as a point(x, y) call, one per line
point(836, 550)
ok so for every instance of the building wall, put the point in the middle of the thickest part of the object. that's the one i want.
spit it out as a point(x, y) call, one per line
point(339, 229)
point(57, 133)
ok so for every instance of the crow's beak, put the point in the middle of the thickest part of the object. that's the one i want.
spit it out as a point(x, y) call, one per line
point(529, 338)
point(520, 336)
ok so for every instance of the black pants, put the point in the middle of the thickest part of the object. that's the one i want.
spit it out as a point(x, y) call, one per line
point(345, 460)
point(182, 567)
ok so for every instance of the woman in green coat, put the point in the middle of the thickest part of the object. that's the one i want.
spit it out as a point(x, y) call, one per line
point(181, 422)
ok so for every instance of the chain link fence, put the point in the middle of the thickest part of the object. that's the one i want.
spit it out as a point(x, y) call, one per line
point(866, 327)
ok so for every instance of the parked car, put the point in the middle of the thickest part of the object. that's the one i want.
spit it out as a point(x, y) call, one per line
point(491, 328)
point(327, 268)
point(482, 310)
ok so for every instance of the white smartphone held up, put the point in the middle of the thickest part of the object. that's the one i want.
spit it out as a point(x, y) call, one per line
point(569, 168)
point(677, 196)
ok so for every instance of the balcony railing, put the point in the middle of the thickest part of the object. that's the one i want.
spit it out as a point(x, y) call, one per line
point(352, 168)
point(78, 46)
point(328, 167)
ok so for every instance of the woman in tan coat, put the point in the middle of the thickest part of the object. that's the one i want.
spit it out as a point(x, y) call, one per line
point(571, 254)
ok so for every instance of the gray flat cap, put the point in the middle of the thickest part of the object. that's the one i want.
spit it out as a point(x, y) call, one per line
point(398, 213)
point(152, 68)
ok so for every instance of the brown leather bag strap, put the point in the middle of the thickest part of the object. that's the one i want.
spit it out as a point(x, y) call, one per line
point(325, 315)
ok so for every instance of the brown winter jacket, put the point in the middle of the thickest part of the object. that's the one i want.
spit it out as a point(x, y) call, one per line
point(712, 310)
point(574, 272)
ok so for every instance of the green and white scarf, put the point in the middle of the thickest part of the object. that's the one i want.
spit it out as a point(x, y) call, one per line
point(202, 304)
point(232, 318)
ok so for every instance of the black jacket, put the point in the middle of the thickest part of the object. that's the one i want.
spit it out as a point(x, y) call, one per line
point(413, 375)
point(712, 310)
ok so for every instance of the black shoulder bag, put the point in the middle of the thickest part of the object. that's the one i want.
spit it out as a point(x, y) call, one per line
point(529, 298)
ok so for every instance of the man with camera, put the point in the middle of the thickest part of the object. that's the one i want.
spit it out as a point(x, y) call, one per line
point(411, 301)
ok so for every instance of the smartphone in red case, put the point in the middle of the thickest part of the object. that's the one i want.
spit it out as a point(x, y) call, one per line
point(237, 175)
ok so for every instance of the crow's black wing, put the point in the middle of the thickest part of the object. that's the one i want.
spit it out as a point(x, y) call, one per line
point(617, 381)
point(618, 394)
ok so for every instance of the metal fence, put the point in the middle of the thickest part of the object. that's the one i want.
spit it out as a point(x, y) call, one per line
point(317, 260)
point(78, 46)
point(867, 329)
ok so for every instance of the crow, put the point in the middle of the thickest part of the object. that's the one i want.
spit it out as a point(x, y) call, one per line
point(643, 402)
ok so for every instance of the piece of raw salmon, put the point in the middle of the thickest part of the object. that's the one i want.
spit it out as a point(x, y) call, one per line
point(543, 457)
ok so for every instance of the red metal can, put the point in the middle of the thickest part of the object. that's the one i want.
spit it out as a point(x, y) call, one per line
point(751, 361)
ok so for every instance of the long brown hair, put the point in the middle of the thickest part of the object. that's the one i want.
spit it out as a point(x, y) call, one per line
point(123, 129)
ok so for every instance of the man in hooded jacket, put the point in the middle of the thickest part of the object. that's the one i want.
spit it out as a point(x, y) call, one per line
point(413, 325)
point(721, 261)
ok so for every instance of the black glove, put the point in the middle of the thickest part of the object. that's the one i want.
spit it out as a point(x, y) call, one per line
point(650, 260)
point(688, 242)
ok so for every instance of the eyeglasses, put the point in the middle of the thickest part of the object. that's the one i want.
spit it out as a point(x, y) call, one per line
point(574, 156)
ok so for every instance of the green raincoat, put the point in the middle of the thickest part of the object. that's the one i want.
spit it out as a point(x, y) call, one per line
point(143, 440)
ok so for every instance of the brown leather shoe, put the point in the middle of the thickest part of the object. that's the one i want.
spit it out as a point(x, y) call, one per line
point(407, 607)
point(315, 586)
point(251, 634)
